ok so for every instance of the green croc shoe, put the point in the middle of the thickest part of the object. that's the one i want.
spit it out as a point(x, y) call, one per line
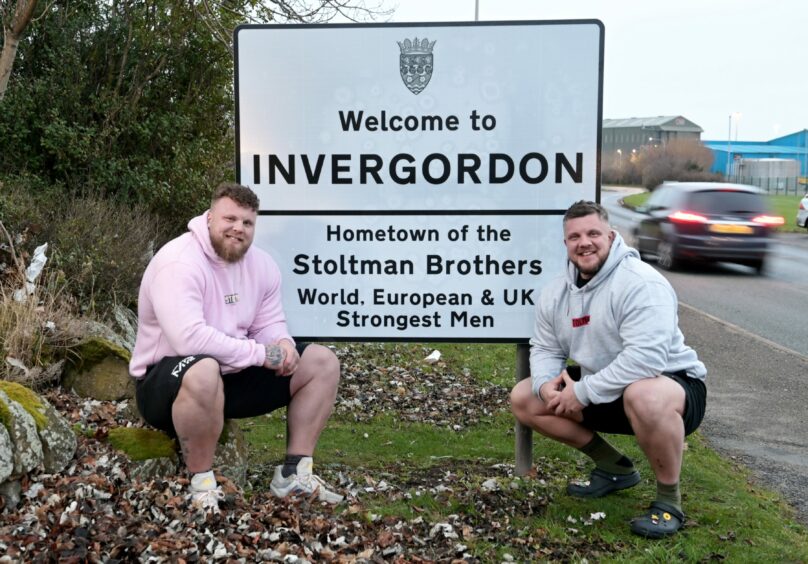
point(662, 520)
point(602, 483)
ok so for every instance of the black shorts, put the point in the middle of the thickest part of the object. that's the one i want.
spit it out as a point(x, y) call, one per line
point(611, 417)
point(251, 392)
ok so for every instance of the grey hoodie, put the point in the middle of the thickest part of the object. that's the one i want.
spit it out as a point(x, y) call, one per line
point(620, 327)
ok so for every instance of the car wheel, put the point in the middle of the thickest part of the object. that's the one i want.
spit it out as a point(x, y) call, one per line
point(665, 256)
point(759, 266)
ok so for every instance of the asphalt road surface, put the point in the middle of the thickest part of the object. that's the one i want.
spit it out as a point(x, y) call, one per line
point(752, 333)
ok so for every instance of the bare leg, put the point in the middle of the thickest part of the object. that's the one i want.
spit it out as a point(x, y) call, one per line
point(314, 389)
point(531, 411)
point(198, 414)
point(655, 407)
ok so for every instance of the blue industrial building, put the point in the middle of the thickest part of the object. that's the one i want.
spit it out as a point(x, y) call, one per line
point(780, 158)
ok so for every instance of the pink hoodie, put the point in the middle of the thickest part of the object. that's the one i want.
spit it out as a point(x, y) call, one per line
point(193, 302)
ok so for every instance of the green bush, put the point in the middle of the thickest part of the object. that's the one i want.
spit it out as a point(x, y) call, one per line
point(130, 101)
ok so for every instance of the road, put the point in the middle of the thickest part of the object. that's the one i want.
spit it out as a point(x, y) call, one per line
point(773, 306)
point(752, 333)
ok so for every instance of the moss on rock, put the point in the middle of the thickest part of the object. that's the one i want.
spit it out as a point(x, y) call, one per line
point(94, 349)
point(100, 371)
point(5, 415)
point(139, 443)
point(29, 401)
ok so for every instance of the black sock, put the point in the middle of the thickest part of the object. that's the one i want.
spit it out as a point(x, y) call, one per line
point(290, 464)
point(607, 457)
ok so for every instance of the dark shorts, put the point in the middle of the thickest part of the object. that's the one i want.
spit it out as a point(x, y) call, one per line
point(611, 417)
point(251, 392)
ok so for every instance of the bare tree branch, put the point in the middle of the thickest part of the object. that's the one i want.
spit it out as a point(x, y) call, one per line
point(287, 11)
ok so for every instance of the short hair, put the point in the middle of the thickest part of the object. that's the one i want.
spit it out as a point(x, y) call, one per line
point(582, 208)
point(242, 195)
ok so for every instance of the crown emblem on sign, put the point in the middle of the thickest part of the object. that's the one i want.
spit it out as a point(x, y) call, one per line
point(416, 47)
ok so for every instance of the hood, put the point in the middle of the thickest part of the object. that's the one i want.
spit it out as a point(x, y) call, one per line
point(617, 253)
point(198, 227)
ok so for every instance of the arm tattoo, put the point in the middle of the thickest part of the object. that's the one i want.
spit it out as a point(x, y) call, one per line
point(275, 355)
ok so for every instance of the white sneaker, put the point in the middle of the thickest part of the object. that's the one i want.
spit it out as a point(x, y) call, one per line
point(206, 495)
point(302, 482)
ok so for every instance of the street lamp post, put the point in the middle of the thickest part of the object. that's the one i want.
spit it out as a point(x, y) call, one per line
point(737, 116)
point(729, 145)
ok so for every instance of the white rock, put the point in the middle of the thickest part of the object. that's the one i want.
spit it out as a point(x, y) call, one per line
point(27, 451)
point(490, 485)
point(433, 357)
point(6, 454)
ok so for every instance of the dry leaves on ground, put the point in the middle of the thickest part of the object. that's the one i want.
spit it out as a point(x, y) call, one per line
point(93, 512)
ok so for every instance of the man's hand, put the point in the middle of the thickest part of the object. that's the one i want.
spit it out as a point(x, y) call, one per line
point(551, 388)
point(282, 357)
point(563, 401)
point(275, 355)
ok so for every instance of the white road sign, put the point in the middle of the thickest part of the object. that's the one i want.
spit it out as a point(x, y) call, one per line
point(412, 177)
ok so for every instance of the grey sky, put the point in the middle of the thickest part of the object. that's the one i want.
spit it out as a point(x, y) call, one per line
point(703, 59)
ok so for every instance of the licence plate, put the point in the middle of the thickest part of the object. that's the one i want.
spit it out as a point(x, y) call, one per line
point(731, 228)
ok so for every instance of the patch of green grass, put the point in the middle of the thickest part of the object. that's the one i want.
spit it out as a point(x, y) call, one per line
point(494, 363)
point(785, 206)
point(729, 518)
point(387, 439)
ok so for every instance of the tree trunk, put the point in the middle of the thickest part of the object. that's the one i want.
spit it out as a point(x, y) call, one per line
point(7, 57)
point(23, 13)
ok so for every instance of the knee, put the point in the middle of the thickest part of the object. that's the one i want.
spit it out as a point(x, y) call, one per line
point(323, 363)
point(522, 397)
point(642, 405)
point(203, 381)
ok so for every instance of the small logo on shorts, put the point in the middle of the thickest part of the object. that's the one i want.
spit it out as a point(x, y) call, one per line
point(230, 299)
point(182, 364)
point(580, 321)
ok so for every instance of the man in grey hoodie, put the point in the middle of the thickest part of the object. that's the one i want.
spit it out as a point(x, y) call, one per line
point(614, 318)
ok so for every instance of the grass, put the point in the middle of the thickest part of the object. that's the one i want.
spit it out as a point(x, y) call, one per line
point(785, 206)
point(729, 517)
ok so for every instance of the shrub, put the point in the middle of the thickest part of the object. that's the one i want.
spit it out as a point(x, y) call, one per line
point(676, 160)
point(103, 249)
point(98, 249)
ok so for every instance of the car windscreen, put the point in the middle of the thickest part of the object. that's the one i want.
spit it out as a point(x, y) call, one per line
point(726, 202)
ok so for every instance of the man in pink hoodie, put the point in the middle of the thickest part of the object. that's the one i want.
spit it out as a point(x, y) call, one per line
point(212, 343)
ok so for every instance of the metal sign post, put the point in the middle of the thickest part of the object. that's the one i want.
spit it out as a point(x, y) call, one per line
point(524, 435)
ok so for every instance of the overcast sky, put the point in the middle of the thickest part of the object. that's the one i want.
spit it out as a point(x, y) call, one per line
point(702, 59)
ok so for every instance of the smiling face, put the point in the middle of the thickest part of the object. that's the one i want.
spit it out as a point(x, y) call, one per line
point(231, 228)
point(588, 240)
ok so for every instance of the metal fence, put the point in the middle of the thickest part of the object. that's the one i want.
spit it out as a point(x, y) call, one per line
point(774, 185)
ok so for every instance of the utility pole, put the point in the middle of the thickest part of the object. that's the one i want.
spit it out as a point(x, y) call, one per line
point(729, 146)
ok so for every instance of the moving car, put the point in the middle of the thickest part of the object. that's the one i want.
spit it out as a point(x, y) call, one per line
point(802, 212)
point(705, 221)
